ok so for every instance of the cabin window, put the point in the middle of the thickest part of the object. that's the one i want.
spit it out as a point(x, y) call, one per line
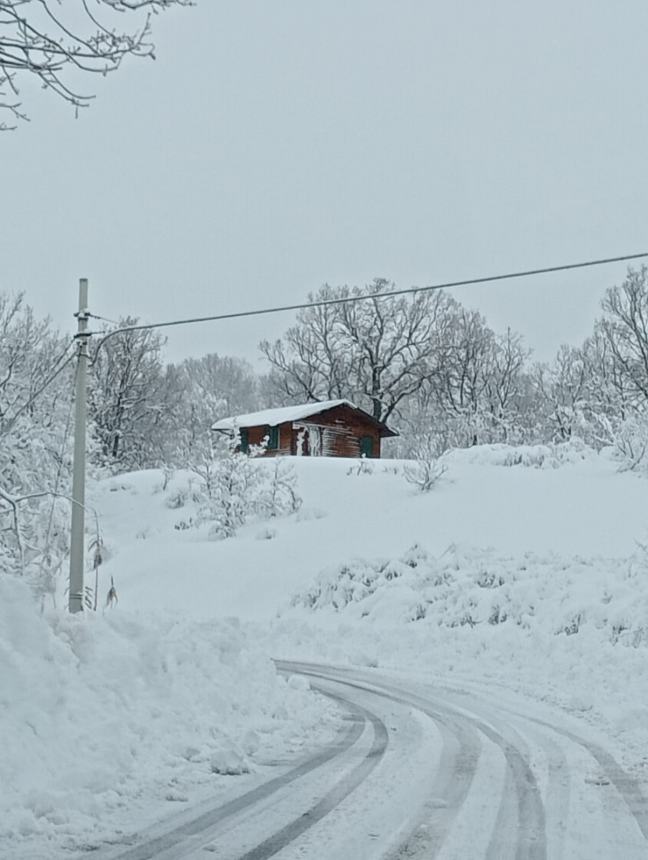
point(244, 440)
point(273, 438)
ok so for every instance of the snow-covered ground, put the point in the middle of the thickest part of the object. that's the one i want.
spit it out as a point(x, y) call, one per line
point(107, 719)
point(521, 571)
point(584, 507)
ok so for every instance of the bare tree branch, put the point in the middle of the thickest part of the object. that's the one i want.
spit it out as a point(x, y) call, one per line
point(42, 39)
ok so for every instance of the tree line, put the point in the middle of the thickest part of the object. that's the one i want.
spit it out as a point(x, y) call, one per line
point(424, 362)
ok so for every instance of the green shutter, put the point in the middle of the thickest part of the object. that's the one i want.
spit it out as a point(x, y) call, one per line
point(273, 438)
point(366, 446)
point(244, 444)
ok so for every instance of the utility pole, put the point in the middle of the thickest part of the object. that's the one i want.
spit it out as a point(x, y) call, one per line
point(77, 537)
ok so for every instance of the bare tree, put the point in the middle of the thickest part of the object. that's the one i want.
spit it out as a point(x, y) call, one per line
point(126, 397)
point(311, 361)
point(505, 382)
point(609, 391)
point(561, 391)
point(478, 390)
point(376, 352)
point(56, 43)
point(625, 327)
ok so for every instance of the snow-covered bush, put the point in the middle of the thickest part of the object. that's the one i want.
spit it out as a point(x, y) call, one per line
point(428, 466)
point(630, 442)
point(361, 467)
point(278, 494)
point(472, 588)
point(237, 486)
point(233, 494)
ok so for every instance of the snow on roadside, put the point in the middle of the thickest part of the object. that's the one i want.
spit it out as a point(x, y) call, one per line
point(109, 719)
point(569, 630)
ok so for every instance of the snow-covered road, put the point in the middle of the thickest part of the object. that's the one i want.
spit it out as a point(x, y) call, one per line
point(421, 771)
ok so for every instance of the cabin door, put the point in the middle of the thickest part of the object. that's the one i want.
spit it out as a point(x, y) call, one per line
point(366, 446)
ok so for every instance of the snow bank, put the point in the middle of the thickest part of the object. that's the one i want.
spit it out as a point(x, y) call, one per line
point(99, 714)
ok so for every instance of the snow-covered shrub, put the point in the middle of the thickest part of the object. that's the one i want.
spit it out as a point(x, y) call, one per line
point(237, 487)
point(630, 442)
point(177, 498)
point(279, 494)
point(428, 466)
point(361, 467)
point(233, 495)
point(473, 588)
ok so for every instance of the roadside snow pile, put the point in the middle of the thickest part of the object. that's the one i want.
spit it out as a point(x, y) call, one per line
point(468, 588)
point(100, 714)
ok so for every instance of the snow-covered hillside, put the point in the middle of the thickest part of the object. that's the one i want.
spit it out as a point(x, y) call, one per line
point(521, 570)
point(582, 507)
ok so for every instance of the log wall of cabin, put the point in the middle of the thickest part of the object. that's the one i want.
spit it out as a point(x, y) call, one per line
point(256, 435)
point(342, 431)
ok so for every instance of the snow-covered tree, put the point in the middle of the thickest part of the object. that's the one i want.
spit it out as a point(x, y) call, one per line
point(126, 398)
point(35, 410)
point(561, 390)
point(624, 325)
point(198, 392)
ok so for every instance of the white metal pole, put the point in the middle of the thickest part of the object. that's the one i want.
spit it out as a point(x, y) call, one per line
point(77, 536)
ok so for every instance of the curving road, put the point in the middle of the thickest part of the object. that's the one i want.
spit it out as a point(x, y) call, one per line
point(420, 772)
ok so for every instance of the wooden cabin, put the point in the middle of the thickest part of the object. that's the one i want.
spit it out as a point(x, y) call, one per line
point(334, 428)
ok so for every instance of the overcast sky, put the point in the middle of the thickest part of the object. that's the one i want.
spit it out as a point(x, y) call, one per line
point(275, 146)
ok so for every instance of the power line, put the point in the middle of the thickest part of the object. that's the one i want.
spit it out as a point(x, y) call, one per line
point(362, 298)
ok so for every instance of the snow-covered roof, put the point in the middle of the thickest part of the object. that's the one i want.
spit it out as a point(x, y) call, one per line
point(273, 417)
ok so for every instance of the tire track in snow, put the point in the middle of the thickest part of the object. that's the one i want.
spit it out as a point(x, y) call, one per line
point(346, 738)
point(557, 800)
point(341, 790)
point(521, 807)
point(456, 771)
point(626, 785)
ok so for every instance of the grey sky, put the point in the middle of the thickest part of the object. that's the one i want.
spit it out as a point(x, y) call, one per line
point(276, 146)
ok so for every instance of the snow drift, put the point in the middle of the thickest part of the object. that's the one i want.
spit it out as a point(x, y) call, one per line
point(99, 713)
